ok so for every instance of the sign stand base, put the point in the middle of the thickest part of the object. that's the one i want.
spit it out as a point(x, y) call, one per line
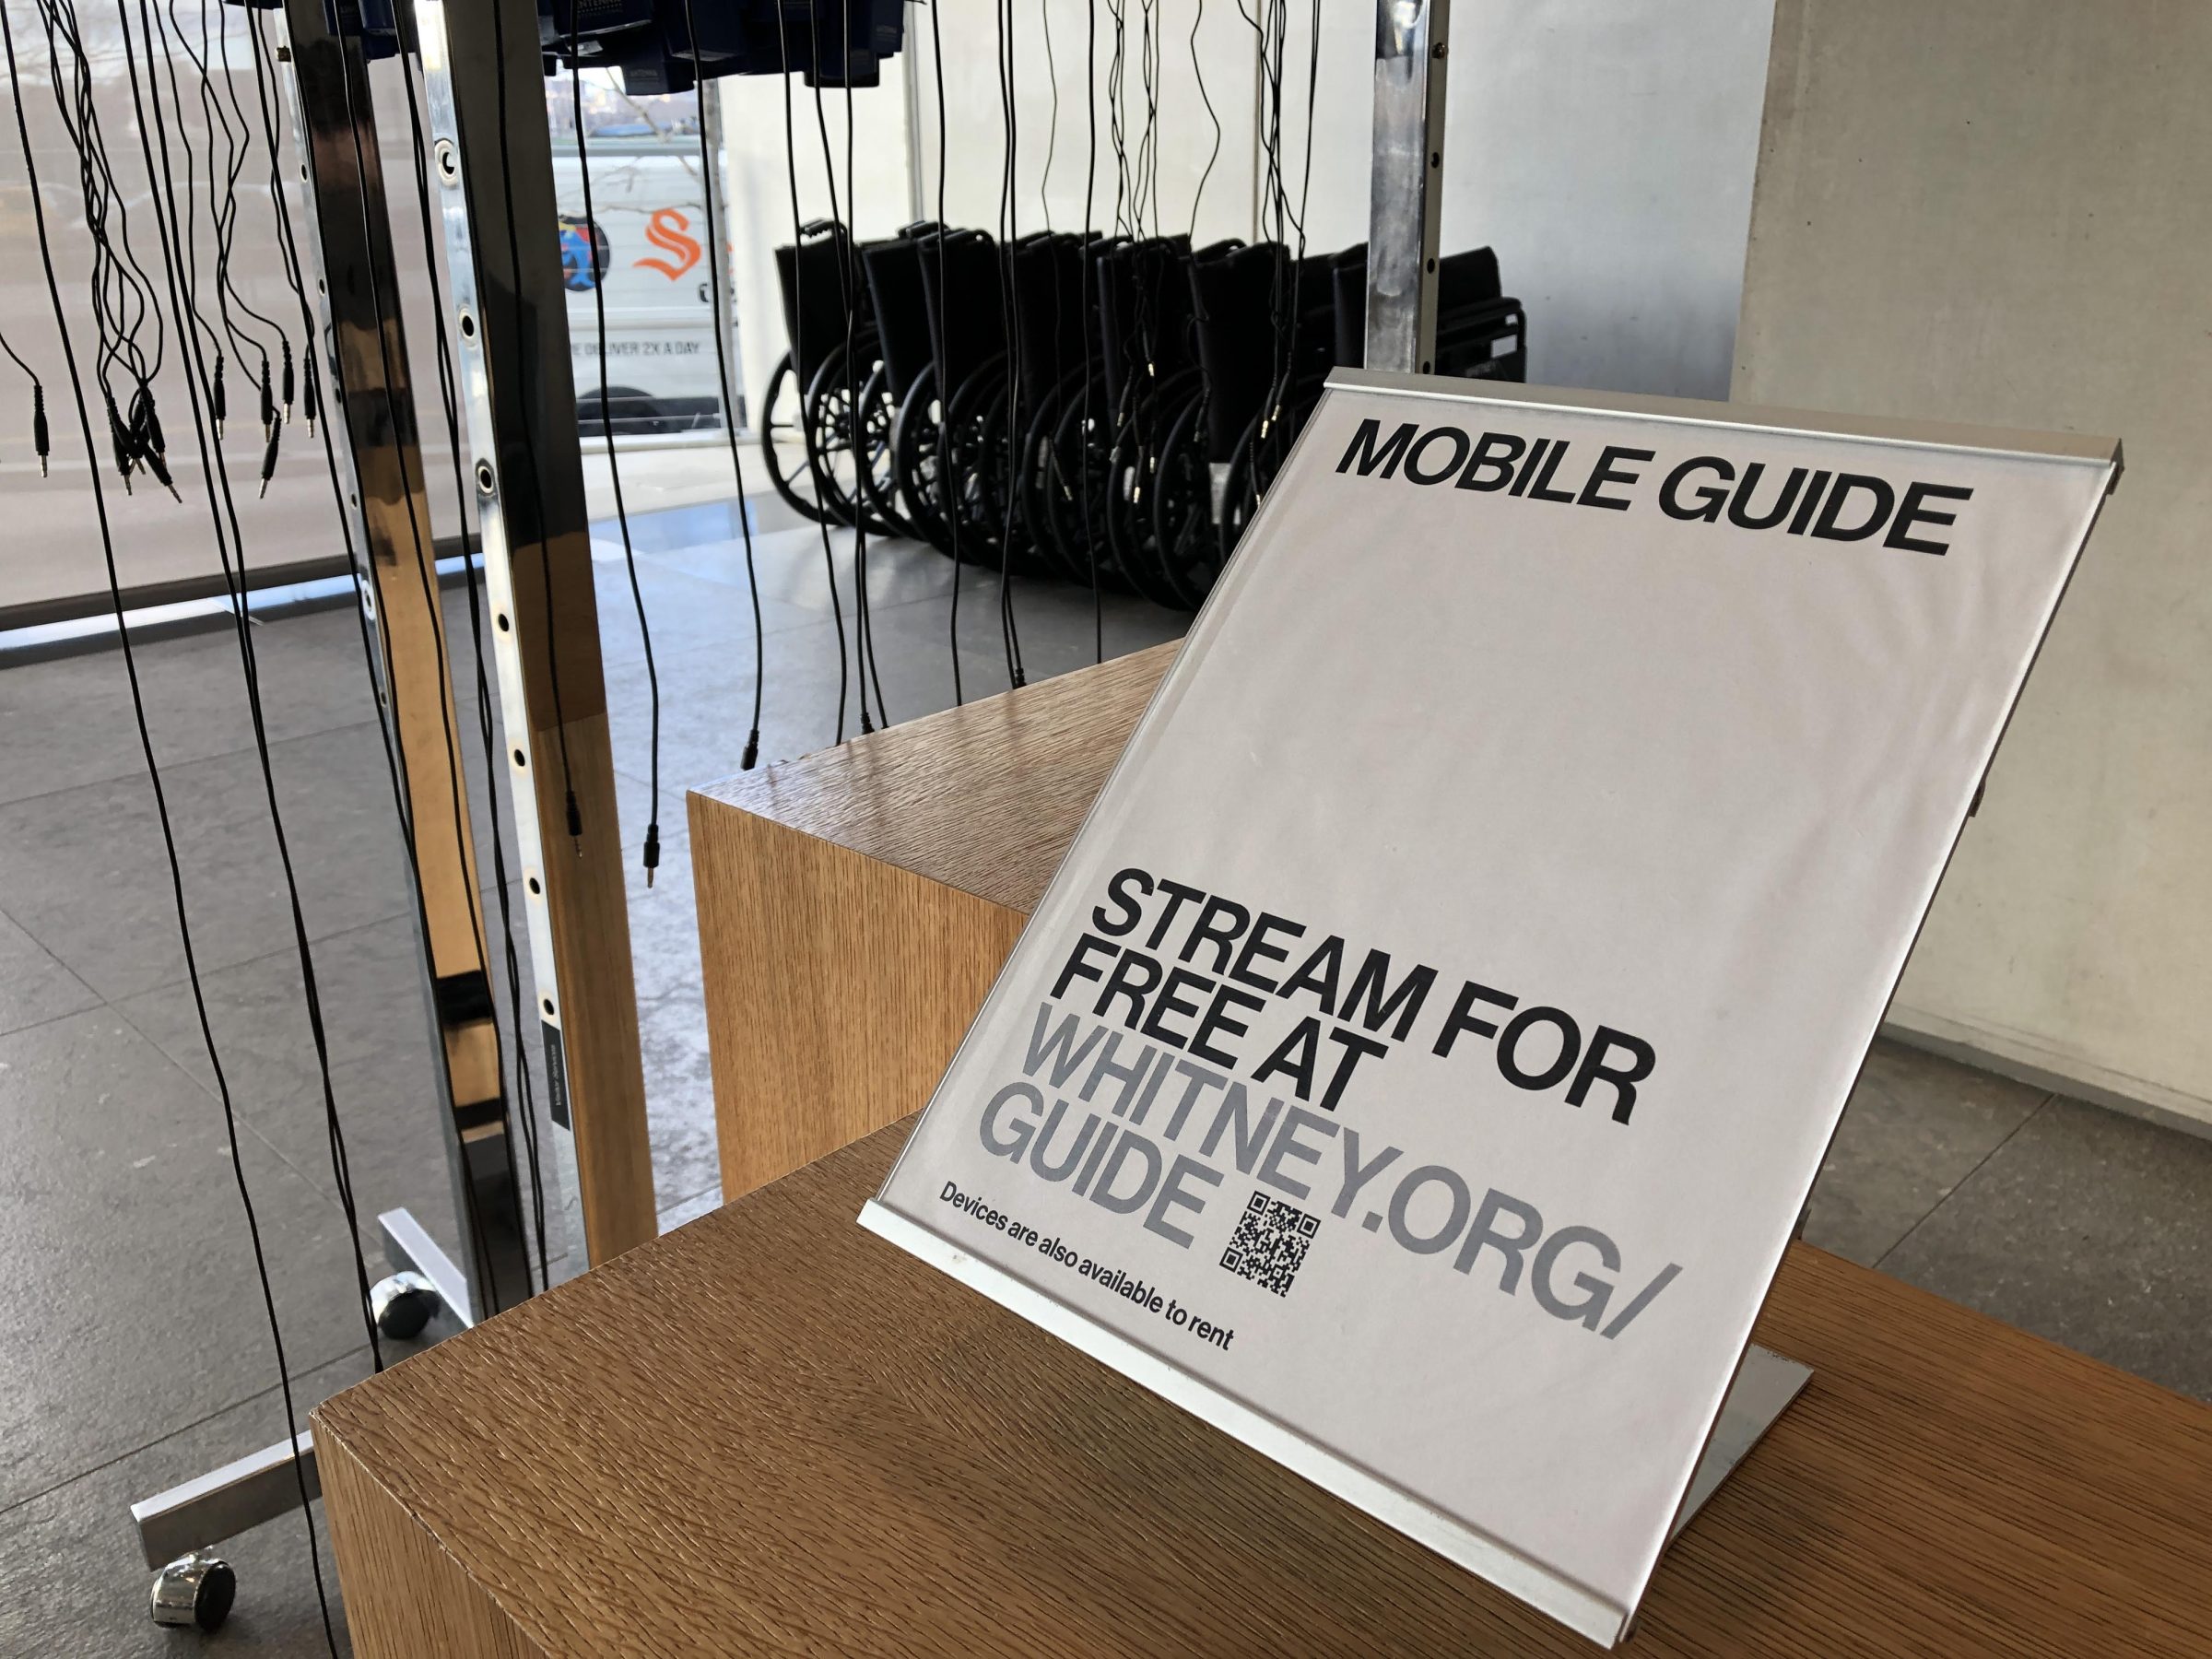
point(1765, 1385)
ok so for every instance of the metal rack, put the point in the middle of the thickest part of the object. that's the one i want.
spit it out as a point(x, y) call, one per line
point(492, 174)
point(520, 409)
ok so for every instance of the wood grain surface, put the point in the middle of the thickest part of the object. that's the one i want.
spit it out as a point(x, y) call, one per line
point(855, 906)
point(982, 798)
point(772, 1433)
point(837, 987)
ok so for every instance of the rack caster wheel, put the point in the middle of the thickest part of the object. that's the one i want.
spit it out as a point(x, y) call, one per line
point(195, 1590)
point(403, 1304)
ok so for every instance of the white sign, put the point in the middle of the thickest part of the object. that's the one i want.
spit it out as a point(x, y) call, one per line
point(1419, 1061)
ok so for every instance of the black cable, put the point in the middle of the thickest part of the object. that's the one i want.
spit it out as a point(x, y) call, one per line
point(1028, 459)
point(841, 232)
point(606, 430)
point(1116, 80)
point(1089, 276)
point(1198, 72)
point(230, 552)
point(140, 422)
point(941, 364)
point(1305, 189)
point(1010, 324)
point(224, 218)
point(1147, 149)
point(146, 744)
point(728, 401)
point(862, 453)
point(121, 293)
point(798, 334)
point(288, 260)
point(181, 273)
point(707, 176)
point(1052, 136)
point(40, 438)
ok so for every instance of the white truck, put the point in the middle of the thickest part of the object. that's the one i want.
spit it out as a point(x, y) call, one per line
point(646, 248)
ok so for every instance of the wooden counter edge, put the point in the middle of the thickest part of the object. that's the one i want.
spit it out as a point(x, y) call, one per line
point(378, 1541)
point(855, 982)
point(1941, 1466)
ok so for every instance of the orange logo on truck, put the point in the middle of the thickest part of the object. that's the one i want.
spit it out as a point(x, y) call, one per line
point(666, 231)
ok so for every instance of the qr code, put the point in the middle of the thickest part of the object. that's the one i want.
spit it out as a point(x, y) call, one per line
point(1270, 1243)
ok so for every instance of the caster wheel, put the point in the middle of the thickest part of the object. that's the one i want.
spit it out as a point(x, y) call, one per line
point(194, 1589)
point(403, 1304)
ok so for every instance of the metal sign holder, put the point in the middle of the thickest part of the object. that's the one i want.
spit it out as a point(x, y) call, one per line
point(513, 363)
point(1404, 221)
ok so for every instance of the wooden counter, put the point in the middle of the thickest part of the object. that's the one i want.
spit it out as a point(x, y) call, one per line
point(854, 906)
point(772, 1433)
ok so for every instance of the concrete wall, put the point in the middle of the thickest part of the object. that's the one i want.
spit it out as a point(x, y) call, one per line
point(1604, 147)
point(1994, 210)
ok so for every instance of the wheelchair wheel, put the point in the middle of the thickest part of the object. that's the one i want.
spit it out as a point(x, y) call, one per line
point(1133, 470)
point(846, 435)
point(917, 476)
point(1038, 476)
point(879, 481)
point(1009, 425)
point(1252, 469)
point(1185, 540)
point(972, 463)
point(784, 441)
point(1075, 504)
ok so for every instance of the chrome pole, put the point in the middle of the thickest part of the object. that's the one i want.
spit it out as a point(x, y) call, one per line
point(1405, 183)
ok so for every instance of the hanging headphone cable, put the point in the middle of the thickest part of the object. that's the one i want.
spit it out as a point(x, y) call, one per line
point(146, 744)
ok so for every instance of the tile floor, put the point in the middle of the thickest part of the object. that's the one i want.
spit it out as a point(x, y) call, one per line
point(134, 1348)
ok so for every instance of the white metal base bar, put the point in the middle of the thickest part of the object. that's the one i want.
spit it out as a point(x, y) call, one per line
point(427, 1295)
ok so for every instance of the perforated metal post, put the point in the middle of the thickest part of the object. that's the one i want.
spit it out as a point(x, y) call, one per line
point(493, 169)
point(346, 240)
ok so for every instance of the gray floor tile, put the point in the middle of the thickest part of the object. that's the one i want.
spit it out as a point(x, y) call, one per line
point(68, 722)
point(690, 600)
point(707, 693)
point(672, 1028)
point(33, 986)
point(86, 875)
point(2089, 1227)
point(795, 571)
point(706, 707)
point(1917, 1125)
point(117, 1203)
point(692, 1209)
point(370, 980)
point(377, 1027)
point(79, 1586)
